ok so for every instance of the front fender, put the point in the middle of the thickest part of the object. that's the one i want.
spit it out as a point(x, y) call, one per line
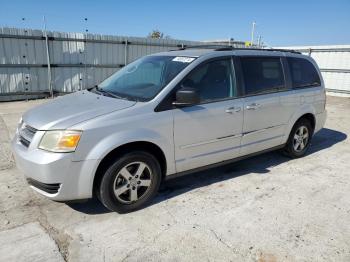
point(105, 145)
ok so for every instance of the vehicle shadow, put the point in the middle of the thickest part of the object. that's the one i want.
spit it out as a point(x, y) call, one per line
point(90, 206)
point(261, 164)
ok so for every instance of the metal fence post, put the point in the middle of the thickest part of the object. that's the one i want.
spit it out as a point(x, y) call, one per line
point(49, 79)
point(126, 52)
point(86, 78)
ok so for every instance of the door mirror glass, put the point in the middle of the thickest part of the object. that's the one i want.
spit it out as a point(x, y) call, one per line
point(187, 96)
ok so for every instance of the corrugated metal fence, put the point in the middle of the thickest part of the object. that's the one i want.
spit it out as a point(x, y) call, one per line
point(73, 61)
point(30, 63)
point(334, 63)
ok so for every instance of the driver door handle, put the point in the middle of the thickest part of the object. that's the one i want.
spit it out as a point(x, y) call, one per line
point(232, 110)
point(253, 106)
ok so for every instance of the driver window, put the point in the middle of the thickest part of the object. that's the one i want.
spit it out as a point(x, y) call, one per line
point(214, 80)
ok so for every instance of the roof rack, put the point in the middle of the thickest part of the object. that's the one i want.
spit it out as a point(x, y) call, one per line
point(228, 48)
point(184, 47)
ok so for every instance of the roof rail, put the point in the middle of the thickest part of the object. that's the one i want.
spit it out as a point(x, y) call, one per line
point(184, 47)
point(229, 47)
point(256, 49)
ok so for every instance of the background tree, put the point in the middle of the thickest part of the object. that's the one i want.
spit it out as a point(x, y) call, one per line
point(156, 34)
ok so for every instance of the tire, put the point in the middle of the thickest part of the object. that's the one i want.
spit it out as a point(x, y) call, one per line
point(130, 183)
point(299, 139)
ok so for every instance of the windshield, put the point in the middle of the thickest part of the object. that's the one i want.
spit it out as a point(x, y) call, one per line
point(144, 78)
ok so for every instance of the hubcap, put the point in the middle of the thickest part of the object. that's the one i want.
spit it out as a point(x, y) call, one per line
point(301, 138)
point(132, 182)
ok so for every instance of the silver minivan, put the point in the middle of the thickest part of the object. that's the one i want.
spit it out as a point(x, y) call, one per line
point(166, 115)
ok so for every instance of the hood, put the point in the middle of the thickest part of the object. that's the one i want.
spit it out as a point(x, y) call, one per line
point(69, 110)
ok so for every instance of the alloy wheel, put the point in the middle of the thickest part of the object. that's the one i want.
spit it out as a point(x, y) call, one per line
point(301, 138)
point(132, 182)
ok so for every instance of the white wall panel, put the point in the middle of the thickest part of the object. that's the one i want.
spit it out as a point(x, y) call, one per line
point(334, 63)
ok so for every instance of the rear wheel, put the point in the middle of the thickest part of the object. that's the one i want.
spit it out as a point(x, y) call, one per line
point(130, 182)
point(299, 139)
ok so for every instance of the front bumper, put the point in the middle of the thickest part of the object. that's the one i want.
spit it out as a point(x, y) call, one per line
point(44, 170)
point(320, 121)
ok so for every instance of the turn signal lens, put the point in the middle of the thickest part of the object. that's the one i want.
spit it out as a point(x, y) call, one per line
point(69, 141)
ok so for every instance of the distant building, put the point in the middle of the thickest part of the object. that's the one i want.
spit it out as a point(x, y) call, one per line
point(230, 42)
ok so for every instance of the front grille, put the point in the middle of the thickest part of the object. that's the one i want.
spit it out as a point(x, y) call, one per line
point(24, 141)
point(48, 188)
point(26, 134)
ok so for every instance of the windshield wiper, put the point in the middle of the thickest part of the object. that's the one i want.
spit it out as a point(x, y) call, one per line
point(108, 93)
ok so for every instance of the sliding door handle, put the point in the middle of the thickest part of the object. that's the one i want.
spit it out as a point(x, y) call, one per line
point(233, 109)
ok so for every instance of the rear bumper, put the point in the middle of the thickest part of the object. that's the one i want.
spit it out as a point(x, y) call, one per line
point(54, 175)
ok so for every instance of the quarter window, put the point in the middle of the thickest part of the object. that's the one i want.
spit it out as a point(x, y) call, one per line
point(214, 80)
point(303, 73)
point(262, 74)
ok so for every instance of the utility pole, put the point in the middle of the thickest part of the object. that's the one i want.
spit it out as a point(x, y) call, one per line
point(253, 31)
point(259, 41)
point(24, 24)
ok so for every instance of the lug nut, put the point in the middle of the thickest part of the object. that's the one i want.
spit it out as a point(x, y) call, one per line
point(138, 182)
point(129, 178)
point(128, 185)
point(133, 188)
point(136, 176)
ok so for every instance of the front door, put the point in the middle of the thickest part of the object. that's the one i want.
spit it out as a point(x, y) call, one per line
point(209, 132)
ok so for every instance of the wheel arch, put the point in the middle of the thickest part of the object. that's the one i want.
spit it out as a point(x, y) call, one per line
point(305, 114)
point(146, 146)
point(310, 117)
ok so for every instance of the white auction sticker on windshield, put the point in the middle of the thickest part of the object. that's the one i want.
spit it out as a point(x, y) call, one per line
point(183, 59)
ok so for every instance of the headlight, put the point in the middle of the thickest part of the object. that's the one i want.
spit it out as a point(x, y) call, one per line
point(60, 141)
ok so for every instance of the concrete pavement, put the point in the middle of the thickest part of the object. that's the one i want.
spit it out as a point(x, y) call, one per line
point(267, 208)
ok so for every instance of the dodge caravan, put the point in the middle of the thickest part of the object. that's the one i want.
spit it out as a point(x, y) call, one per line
point(169, 114)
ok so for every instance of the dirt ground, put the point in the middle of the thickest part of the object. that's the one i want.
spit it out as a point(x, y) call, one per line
point(267, 208)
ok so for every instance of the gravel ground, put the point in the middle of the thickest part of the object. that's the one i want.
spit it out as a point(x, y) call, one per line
point(267, 208)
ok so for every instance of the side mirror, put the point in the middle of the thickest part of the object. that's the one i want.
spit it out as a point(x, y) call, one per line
point(186, 96)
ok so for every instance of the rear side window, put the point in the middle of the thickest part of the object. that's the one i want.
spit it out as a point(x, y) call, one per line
point(262, 74)
point(303, 73)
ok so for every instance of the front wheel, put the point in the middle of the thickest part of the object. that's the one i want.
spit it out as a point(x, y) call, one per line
point(130, 182)
point(299, 139)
